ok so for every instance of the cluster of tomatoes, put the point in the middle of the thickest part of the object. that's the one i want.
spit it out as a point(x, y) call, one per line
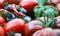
point(29, 17)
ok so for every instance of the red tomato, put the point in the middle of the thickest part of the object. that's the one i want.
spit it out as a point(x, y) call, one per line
point(47, 32)
point(17, 25)
point(28, 4)
point(2, 31)
point(58, 22)
point(37, 33)
point(2, 20)
point(2, 3)
point(58, 7)
point(57, 31)
point(13, 1)
point(53, 1)
point(32, 26)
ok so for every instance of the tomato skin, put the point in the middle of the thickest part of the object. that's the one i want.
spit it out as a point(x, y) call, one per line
point(2, 20)
point(58, 7)
point(31, 27)
point(2, 3)
point(47, 32)
point(53, 1)
point(13, 1)
point(10, 1)
point(58, 22)
point(2, 33)
point(37, 33)
point(57, 31)
point(17, 25)
point(28, 4)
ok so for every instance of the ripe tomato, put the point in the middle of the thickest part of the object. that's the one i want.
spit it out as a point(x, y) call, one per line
point(58, 7)
point(37, 33)
point(53, 1)
point(32, 26)
point(28, 4)
point(2, 31)
point(58, 22)
point(2, 20)
point(13, 1)
point(47, 32)
point(57, 31)
point(2, 3)
point(17, 25)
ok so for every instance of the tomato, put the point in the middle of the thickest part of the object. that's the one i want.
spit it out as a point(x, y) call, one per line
point(47, 32)
point(53, 1)
point(2, 33)
point(32, 26)
point(2, 20)
point(37, 33)
point(13, 1)
point(28, 4)
point(17, 25)
point(58, 22)
point(58, 7)
point(57, 32)
point(2, 3)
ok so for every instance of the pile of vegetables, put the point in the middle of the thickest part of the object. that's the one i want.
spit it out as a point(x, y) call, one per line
point(29, 17)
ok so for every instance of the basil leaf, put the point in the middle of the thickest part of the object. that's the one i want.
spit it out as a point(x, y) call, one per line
point(42, 2)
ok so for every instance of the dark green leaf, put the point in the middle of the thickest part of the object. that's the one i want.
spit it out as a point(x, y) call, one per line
point(51, 23)
point(51, 11)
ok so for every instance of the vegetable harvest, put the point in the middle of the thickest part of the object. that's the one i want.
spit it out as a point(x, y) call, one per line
point(29, 17)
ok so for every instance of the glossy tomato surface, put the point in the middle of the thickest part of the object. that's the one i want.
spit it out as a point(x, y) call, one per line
point(2, 3)
point(13, 1)
point(47, 32)
point(32, 26)
point(58, 22)
point(28, 4)
point(58, 7)
point(37, 33)
point(2, 33)
point(2, 20)
point(16, 25)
